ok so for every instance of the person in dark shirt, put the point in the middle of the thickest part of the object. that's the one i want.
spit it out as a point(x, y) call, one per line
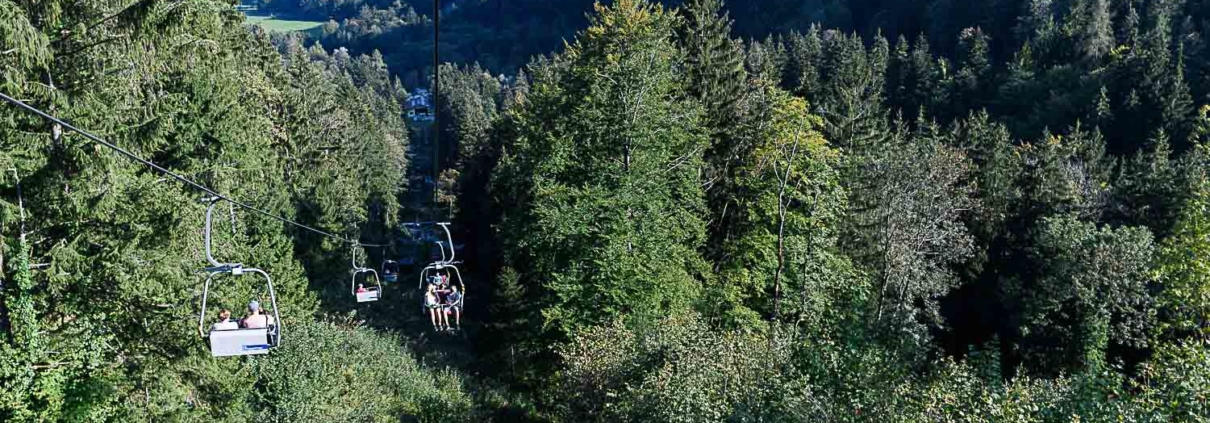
point(453, 303)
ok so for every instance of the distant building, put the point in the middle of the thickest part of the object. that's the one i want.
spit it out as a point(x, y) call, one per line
point(420, 105)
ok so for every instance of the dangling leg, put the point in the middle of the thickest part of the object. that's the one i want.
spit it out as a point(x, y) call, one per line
point(457, 316)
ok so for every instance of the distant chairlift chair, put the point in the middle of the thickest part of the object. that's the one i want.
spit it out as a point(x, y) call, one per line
point(390, 271)
point(371, 293)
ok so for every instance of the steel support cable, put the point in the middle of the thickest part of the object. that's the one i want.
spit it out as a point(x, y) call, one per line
point(178, 177)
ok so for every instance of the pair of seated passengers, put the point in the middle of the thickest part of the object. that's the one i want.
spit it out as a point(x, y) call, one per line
point(254, 320)
point(441, 303)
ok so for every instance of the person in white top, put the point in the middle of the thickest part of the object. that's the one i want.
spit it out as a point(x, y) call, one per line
point(255, 320)
point(225, 322)
point(434, 306)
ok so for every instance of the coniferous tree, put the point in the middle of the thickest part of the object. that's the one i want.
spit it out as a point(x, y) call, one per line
point(1148, 189)
point(1062, 177)
point(974, 73)
point(715, 77)
point(607, 155)
point(898, 84)
point(1096, 38)
point(926, 80)
point(851, 95)
point(804, 63)
point(714, 66)
point(973, 310)
point(996, 169)
point(766, 60)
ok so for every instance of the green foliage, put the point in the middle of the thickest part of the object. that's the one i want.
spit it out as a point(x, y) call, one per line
point(681, 370)
point(327, 372)
point(970, 87)
point(714, 63)
point(678, 370)
point(781, 256)
point(1094, 290)
point(28, 49)
point(112, 299)
point(1066, 175)
point(965, 264)
point(1174, 387)
point(910, 198)
point(996, 169)
point(39, 373)
point(469, 102)
point(1182, 266)
point(605, 159)
point(849, 99)
point(1149, 188)
point(715, 78)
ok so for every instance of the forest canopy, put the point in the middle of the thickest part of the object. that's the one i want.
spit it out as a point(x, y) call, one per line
point(858, 211)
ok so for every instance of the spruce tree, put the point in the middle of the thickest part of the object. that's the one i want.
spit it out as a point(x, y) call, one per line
point(974, 75)
point(804, 63)
point(1097, 38)
point(1148, 189)
point(715, 77)
point(714, 67)
point(607, 160)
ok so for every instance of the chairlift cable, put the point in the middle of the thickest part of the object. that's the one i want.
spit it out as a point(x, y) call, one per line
point(436, 106)
point(176, 176)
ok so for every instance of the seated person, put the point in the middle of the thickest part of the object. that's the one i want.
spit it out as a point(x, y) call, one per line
point(454, 303)
point(224, 321)
point(431, 303)
point(255, 319)
point(361, 288)
point(442, 290)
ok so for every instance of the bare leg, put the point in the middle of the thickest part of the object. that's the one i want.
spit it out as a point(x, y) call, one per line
point(458, 316)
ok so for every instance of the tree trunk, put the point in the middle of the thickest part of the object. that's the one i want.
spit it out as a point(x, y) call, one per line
point(782, 205)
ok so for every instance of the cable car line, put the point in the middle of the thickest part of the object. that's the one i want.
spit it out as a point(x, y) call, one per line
point(178, 177)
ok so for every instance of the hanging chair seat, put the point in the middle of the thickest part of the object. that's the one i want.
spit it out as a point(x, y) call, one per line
point(236, 342)
point(371, 294)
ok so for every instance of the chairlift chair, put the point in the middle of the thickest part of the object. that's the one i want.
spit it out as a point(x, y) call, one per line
point(390, 271)
point(243, 341)
point(447, 263)
point(371, 293)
